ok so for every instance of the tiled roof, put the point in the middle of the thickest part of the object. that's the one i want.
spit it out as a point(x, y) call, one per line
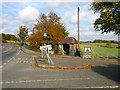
point(68, 40)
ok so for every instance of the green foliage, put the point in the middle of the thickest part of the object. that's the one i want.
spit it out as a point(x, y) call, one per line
point(64, 32)
point(109, 19)
point(23, 33)
point(3, 41)
point(104, 41)
point(108, 44)
point(8, 37)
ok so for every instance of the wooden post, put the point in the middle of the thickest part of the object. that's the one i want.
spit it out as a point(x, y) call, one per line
point(78, 28)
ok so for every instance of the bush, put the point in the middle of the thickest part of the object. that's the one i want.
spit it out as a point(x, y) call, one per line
point(108, 44)
point(3, 41)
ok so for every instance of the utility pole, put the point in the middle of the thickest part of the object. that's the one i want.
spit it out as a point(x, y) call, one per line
point(78, 28)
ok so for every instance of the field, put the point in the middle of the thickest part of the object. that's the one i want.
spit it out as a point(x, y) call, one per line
point(99, 50)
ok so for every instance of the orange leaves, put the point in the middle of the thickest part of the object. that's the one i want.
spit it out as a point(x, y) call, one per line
point(47, 24)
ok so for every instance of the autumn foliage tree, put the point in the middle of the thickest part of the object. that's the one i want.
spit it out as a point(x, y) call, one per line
point(51, 25)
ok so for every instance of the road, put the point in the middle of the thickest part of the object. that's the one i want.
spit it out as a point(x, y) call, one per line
point(19, 71)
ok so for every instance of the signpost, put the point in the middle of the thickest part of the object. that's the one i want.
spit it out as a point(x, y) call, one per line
point(45, 34)
point(87, 49)
point(46, 48)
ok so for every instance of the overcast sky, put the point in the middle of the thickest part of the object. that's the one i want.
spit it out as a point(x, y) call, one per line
point(13, 14)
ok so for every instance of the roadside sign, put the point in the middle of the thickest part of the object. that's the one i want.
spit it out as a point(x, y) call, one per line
point(87, 49)
point(45, 47)
point(45, 34)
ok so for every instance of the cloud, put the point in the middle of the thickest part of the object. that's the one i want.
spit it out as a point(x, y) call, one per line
point(27, 13)
point(89, 34)
point(66, 15)
point(92, 17)
point(6, 24)
point(74, 18)
point(5, 20)
point(27, 16)
point(58, 4)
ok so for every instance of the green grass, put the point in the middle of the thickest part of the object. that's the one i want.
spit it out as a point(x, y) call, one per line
point(99, 50)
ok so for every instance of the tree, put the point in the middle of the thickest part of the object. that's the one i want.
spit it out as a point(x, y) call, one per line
point(109, 19)
point(51, 25)
point(23, 33)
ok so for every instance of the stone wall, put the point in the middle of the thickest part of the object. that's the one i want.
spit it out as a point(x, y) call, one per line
point(87, 55)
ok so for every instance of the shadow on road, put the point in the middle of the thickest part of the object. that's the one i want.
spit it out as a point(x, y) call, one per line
point(111, 72)
point(42, 61)
point(117, 58)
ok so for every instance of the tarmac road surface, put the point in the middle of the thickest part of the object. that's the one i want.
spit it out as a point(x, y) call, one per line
point(19, 71)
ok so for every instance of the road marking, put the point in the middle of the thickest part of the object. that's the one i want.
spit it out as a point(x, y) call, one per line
point(1, 66)
point(11, 58)
point(17, 62)
point(47, 80)
point(30, 61)
point(5, 63)
point(24, 61)
point(101, 87)
point(19, 58)
point(8, 49)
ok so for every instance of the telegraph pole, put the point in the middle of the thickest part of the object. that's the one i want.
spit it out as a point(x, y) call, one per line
point(78, 28)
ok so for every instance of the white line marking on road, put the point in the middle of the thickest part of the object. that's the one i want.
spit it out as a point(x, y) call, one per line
point(59, 80)
point(46, 80)
point(101, 87)
point(19, 51)
point(8, 49)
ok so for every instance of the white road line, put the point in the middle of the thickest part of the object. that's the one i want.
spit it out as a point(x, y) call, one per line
point(100, 87)
point(46, 80)
point(19, 51)
point(8, 49)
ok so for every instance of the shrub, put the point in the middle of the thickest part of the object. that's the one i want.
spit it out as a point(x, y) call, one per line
point(3, 41)
point(108, 44)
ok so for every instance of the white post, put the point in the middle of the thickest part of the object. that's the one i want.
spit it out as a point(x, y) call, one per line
point(42, 53)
